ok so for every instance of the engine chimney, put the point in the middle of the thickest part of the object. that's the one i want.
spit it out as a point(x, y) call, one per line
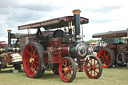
point(77, 24)
point(9, 37)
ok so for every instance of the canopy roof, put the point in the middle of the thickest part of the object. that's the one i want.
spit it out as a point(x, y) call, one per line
point(53, 23)
point(111, 34)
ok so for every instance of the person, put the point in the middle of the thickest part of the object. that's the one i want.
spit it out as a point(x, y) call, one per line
point(91, 50)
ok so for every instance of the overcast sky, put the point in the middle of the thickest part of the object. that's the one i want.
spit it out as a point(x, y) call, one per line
point(103, 15)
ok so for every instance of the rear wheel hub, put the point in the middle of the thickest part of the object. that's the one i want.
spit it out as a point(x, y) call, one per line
point(31, 60)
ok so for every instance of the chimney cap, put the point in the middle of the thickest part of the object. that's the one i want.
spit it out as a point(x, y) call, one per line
point(9, 30)
point(76, 11)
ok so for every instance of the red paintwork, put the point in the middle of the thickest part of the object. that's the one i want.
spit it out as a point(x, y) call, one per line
point(53, 23)
point(31, 68)
point(6, 59)
point(57, 49)
point(104, 54)
point(65, 51)
point(122, 47)
point(91, 68)
point(66, 70)
point(111, 46)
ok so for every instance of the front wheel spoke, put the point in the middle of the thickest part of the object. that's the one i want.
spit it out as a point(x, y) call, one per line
point(97, 67)
point(69, 64)
point(95, 71)
point(64, 74)
point(91, 72)
point(64, 65)
point(29, 70)
point(96, 64)
point(70, 75)
point(89, 63)
point(70, 67)
point(87, 67)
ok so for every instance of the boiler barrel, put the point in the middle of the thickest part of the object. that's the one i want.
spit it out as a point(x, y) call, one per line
point(76, 50)
point(64, 51)
point(9, 49)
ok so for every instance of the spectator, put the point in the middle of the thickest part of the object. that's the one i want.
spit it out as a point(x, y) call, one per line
point(91, 50)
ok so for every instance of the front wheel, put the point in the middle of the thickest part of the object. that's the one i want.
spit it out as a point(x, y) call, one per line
point(67, 69)
point(93, 67)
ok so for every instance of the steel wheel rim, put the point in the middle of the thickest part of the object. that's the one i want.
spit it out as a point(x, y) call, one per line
point(105, 58)
point(31, 60)
point(92, 68)
point(66, 70)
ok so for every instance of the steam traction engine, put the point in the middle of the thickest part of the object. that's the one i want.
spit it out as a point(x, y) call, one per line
point(9, 53)
point(116, 51)
point(59, 50)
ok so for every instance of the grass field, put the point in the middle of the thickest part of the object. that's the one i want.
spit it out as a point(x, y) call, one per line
point(111, 76)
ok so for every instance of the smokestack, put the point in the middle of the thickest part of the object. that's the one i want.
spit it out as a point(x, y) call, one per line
point(77, 23)
point(9, 37)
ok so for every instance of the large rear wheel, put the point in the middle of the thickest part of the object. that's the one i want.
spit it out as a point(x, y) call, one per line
point(107, 57)
point(93, 67)
point(67, 69)
point(32, 57)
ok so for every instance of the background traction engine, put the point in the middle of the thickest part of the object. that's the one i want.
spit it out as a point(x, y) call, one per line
point(59, 52)
point(9, 54)
point(116, 51)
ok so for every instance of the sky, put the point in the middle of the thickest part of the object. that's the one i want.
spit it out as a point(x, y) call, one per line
point(103, 15)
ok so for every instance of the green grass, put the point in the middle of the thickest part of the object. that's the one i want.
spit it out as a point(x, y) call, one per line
point(111, 76)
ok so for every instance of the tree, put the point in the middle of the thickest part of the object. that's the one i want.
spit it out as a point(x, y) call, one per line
point(107, 40)
point(90, 41)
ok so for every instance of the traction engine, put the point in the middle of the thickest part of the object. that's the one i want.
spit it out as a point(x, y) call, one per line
point(9, 54)
point(116, 51)
point(60, 51)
